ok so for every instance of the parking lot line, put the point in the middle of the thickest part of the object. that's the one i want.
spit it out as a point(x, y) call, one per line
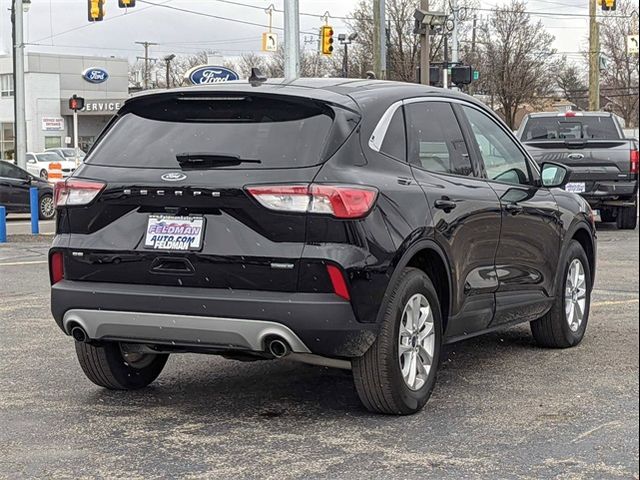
point(16, 264)
point(615, 302)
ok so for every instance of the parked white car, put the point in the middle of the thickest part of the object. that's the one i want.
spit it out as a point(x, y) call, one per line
point(69, 154)
point(38, 164)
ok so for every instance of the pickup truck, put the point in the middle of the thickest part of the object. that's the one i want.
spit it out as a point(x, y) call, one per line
point(603, 162)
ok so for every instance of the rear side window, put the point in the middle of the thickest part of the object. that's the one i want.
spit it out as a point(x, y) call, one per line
point(436, 143)
point(569, 128)
point(395, 141)
point(237, 132)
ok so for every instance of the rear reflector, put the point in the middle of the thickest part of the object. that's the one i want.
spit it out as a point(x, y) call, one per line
point(634, 167)
point(338, 282)
point(56, 267)
point(340, 201)
point(76, 192)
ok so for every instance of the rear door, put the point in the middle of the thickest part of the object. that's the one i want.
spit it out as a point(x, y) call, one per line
point(465, 210)
point(183, 164)
point(530, 239)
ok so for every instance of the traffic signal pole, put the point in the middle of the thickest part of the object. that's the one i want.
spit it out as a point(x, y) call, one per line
point(291, 40)
point(425, 49)
point(18, 88)
point(594, 60)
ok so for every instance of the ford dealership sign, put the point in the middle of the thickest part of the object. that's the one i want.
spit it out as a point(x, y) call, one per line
point(208, 74)
point(95, 75)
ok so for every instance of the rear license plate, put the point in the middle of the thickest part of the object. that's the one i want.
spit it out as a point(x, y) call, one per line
point(576, 187)
point(166, 232)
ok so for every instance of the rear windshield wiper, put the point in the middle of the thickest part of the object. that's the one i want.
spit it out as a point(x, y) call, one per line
point(195, 161)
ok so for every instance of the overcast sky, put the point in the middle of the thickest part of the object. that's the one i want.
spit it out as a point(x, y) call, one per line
point(61, 26)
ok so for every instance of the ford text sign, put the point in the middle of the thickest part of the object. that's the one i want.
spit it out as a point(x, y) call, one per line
point(208, 74)
point(95, 75)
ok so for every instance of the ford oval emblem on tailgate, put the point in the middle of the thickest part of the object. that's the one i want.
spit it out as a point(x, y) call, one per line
point(576, 156)
point(173, 176)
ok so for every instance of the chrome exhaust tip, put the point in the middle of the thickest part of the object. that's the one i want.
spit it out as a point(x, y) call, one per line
point(79, 335)
point(278, 348)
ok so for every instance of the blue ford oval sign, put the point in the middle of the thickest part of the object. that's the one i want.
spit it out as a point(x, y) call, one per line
point(95, 75)
point(208, 74)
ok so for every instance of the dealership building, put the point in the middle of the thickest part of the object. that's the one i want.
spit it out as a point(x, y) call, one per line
point(50, 80)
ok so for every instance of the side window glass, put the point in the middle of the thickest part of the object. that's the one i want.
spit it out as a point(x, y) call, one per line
point(4, 169)
point(436, 143)
point(502, 158)
point(395, 140)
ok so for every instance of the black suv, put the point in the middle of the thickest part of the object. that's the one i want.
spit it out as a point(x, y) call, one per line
point(360, 224)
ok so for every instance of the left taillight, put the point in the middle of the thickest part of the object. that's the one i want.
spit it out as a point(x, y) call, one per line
point(340, 201)
point(56, 267)
point(74, 192)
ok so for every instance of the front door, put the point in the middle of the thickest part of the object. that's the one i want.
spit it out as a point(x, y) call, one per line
point(14, 187)
point(465, 211)
point(530, 241)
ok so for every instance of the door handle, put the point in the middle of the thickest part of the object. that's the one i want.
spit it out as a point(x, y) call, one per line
point(513, 208)
point(405, 180)
point(445, 204)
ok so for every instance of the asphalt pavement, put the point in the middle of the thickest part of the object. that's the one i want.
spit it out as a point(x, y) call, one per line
point(502, 407)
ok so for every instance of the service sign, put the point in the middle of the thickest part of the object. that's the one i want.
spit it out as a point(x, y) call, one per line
point(208, 74)
point(95, 75)
point(52, 124)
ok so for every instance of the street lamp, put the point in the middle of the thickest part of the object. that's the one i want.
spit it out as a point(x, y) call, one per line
point(18, 8)
point(346, 41)
point(168, 60)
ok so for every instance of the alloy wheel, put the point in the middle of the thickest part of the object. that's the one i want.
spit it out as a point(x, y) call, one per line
point(416, 341)
point(47, 209)
point(575, 297)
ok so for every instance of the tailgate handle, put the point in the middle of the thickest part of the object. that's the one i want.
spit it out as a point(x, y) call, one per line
point(172, 266)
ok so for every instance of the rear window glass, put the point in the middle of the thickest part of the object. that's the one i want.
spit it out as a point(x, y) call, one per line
point(257, 132)
point(570, 128)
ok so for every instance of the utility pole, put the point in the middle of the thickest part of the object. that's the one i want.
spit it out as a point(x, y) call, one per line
point(594, 60)
point(379, 39)
point(18, 84)
point(146, 59)
point(168, 60)
point(291, 40)
point(473, 38)
point(455, 57)
point(425, 49)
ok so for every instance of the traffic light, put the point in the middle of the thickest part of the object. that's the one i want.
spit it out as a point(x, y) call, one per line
point(461, 75)
point(96, 10)
point(326, 40)
point(126, 3)
point(76, 103)
point(608, 5)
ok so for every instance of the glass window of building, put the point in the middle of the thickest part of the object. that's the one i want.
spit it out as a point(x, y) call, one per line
point(6, 85)
point(7, 141)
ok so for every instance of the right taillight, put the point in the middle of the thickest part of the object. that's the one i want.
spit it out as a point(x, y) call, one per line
point(56, 267)
point(340, 201)
point(76, 192)
point(634, 162)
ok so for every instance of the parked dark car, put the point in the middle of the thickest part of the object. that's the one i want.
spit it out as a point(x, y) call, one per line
point(603, 161)
point(15, 184)
point(360, 224)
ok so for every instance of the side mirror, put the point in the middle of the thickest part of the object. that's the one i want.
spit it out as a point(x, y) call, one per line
point(555, 175)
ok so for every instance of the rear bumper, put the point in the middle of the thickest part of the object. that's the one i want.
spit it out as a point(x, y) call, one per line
point(614, 193)
point(322, 324)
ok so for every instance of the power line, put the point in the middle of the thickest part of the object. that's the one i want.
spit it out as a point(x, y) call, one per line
point(217, 17)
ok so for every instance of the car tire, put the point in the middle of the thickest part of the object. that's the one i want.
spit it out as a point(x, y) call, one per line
point(562, 326)
point(378, 374)
point(627, 218)
point(44, 175)
point(46, 208)
point(108, 366)
point(608, 215)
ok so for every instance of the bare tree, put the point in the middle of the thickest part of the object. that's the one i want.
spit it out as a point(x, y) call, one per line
point(516, 59)
point(619, 89)
point(573, 85)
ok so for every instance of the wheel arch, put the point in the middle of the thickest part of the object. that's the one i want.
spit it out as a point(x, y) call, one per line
point(427, 256)
point(584, 238)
